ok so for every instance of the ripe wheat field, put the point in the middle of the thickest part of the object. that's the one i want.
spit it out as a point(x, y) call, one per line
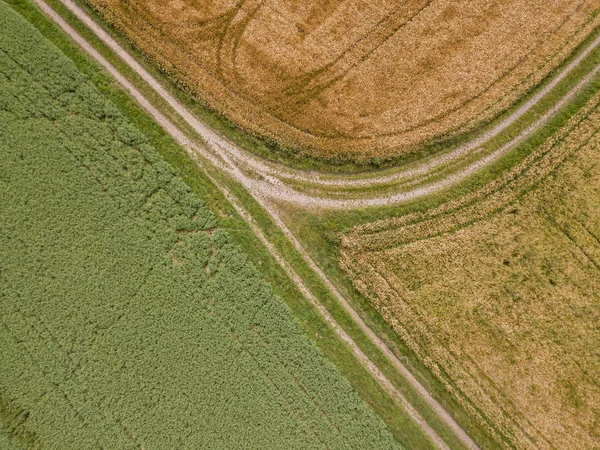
point(351, 78)
point(498, 291)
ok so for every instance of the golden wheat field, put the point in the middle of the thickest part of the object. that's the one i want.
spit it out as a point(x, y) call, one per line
point(498, 292)
point(353, 77)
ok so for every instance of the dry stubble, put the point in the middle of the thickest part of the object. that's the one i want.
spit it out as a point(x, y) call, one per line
point(354, 77)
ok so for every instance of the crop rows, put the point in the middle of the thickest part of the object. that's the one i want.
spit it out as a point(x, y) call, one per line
point(349, 79)
point(493, 197)
point(497, 291)
point(128, 318)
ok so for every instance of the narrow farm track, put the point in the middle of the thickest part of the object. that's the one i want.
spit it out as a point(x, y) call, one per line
point(267, 182)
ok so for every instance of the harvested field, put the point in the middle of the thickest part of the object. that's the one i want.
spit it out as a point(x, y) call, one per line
point(128, 318)
point(498, 292)
point(355, 78)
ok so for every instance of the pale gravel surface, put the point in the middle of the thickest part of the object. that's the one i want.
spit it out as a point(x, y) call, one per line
point(265, 184)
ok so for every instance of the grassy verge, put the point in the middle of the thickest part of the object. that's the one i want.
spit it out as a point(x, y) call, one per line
point(334, 222)
point(404, 429)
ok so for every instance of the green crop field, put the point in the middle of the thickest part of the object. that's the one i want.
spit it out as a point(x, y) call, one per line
point(128, 318)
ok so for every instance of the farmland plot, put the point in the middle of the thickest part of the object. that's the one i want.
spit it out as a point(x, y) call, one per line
point(498, 291)
point(128, 319)
point(355, 78)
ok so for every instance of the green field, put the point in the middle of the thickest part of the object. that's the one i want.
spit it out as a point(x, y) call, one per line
point(128, 317)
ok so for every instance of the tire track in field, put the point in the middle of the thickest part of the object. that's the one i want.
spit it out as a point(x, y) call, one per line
point(312, 84)
point(200, 154)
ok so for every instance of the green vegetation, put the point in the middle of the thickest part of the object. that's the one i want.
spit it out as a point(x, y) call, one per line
point(128, 317)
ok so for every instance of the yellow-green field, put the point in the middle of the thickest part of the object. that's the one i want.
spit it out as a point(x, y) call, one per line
point(498, 291)
point(354, 78)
